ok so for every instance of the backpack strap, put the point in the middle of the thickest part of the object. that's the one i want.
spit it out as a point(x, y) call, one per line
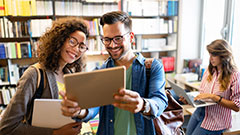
point(148, 64)
point(39, 91)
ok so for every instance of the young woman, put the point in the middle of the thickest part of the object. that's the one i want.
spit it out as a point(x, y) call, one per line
point(220, 83)
point(60, 51)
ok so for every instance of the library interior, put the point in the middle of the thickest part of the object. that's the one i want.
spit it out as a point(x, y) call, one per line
point(180, 34)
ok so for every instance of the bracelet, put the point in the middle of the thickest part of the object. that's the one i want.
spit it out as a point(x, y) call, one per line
point(220, 99)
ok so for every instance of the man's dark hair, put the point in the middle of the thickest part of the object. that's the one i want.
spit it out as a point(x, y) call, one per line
point(116, 16)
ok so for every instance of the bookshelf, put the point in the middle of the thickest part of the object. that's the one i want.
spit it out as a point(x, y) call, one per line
point(158, 37)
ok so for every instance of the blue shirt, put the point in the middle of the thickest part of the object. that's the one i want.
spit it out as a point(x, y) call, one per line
point(156, 97)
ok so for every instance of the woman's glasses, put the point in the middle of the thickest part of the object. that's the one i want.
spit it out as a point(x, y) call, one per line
point(82, 47)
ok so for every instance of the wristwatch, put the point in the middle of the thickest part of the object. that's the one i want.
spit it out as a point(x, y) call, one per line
point(146, 106)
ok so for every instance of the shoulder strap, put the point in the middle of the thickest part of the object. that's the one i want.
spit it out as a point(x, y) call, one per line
point(148, 64)
point(39, 91)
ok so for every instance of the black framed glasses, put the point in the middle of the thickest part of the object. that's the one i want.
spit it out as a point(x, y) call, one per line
point(82, 47)
point(117, 39)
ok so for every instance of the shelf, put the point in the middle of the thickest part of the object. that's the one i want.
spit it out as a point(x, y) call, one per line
point(25, 18)
point(4, 83)
point(83, 16)
point(162, 49)
point(14, 39)
point(166, 17)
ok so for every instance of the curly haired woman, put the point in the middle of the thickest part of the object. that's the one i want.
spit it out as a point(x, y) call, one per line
point(220, 83)
point(61, 50)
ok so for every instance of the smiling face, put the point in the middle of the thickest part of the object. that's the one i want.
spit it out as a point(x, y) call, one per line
point(69, 54)
point(117, 51)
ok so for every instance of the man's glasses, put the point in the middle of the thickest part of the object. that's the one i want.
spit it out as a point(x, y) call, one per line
point(81, 46)
point(117, 39)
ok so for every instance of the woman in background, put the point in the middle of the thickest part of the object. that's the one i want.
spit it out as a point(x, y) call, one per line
point(220, 83)
point(60, 51)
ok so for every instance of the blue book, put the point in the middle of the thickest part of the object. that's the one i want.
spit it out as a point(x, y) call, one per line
point(172, 8)
point(29, 50)
point(2, 51)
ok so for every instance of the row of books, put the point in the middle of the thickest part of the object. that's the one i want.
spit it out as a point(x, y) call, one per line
point(154, 25)
point(14, 50)
point(77, 8)
point(11, 74)
point(33, 28)
point(45, 7)
point(6, 94)
point(151, 8)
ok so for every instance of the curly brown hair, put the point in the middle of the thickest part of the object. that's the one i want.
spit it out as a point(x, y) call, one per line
point(51, 42)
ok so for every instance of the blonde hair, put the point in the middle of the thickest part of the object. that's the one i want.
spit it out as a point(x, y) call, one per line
point(222, 49)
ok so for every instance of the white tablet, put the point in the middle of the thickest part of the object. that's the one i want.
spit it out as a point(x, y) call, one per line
point(47, 113)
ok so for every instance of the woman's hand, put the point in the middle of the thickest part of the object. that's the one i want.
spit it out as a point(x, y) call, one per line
point(69, 129)
point(69, 108)
point(204, 96)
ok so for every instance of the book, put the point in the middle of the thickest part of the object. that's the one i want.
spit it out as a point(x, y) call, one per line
point(24, 49)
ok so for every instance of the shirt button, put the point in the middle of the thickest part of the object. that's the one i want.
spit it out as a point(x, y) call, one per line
point(111, 120)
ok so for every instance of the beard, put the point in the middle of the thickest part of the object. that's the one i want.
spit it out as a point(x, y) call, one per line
point(123, 53)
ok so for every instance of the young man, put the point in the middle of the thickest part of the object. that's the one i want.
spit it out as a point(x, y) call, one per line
point(134, 109)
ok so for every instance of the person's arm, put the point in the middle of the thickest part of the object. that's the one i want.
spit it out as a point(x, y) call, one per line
point(131, 100)
point(157, 97)
point(12, 120)
point(218, 99)
point(234, 102)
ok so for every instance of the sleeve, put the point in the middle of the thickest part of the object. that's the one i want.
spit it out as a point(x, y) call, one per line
point(157, 96)
point(92, 112)
point(235, 88)
point(204, 81)
point(13, 121)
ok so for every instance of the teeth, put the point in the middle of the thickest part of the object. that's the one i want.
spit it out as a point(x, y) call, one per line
point(73, 55)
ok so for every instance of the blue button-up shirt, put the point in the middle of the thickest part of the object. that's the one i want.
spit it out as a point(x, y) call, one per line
point(156, 97)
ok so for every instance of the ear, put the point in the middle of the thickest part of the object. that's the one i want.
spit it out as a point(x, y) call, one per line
point(131, 37)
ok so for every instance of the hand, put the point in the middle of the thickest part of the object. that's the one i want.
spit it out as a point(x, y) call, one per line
point(69, 129)
point(128, 100)
point(69, 108)
point(203, 96)
point(182, 99)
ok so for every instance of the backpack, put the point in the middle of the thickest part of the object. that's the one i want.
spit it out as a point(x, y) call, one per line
point(171, 120)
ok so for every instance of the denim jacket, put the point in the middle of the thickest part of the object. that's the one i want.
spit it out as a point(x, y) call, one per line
point(156, 97)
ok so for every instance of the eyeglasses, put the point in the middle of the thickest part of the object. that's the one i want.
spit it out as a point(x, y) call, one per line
point(73, 42)
point(117, 39)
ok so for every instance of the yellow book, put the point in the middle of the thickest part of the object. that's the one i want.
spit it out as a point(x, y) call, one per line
point(19, 53)
point(95, 20)
point(6, 5)
point(14, 7)
point(33, 7)
point(2, 8)
point(25, 7)
point(18, 8)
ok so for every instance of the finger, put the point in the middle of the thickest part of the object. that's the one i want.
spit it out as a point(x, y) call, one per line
point(69, 103)
point(70, 111)
point(126, 99)
point(74, 124)
point(62, 93)
point(129, 93)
